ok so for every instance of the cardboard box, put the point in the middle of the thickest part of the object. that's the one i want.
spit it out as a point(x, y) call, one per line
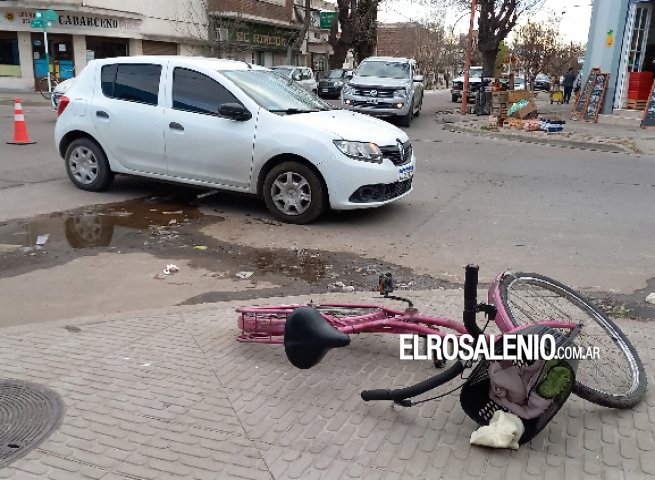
point(527, 112)
point(515, 96)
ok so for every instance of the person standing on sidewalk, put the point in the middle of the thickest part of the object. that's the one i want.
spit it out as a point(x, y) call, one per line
point(567, 83)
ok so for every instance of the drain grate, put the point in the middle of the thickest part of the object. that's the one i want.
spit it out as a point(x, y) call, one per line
point(28, 414)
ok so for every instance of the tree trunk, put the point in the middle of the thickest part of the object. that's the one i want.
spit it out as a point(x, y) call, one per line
point(488, 62)
point(339, 56)
point(365, 38)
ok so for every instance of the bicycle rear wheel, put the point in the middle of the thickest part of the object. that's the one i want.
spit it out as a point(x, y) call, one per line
point(617, 379)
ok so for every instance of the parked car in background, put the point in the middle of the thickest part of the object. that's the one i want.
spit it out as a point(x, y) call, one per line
point(475, 79)
point(519, 83)
point(302, 75)
point(385, 87)
point(331, 84)
point(232, 126)
point(542, 82)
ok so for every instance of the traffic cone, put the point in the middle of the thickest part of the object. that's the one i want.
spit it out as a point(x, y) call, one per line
point(21, 137)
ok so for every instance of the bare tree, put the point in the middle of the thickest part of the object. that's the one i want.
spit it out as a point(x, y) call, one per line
point(192, 22)
point(496, 20)
point(535, 45)
point(566, 56)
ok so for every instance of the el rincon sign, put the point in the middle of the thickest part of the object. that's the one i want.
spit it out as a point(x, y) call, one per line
point(261, 39)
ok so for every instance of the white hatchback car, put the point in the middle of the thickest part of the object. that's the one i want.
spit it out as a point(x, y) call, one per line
point(232, 126)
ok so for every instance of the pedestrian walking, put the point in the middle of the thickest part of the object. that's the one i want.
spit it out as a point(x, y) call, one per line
point(567, 83)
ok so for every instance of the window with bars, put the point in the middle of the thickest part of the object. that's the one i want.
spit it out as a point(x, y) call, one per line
point(639, 37)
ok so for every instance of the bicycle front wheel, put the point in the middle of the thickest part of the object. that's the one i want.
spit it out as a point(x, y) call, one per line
point(616, 379)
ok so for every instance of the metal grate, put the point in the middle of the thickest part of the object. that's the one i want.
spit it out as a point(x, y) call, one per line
point(28, 415)
point(379, 92)
point(394, 190)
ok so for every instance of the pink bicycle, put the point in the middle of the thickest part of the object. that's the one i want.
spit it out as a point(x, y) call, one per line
point(515, 301)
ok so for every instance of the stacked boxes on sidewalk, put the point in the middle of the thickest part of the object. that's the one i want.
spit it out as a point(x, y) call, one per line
point(501, 102)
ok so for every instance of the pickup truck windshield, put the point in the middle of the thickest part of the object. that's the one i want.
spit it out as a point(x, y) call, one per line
point(275, 93)
point(377, 68)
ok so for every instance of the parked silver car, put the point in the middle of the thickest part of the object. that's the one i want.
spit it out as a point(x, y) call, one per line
point(385, 87)
point(301, 75)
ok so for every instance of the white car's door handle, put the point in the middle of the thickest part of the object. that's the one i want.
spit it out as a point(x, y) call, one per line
point(175, 126)
point(102, 114)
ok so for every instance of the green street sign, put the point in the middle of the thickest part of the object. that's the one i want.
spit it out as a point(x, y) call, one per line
point(44, 19)
point(50, 15)
point(327, 18)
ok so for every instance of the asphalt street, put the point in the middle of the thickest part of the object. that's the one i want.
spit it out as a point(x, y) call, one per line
point(581, 217)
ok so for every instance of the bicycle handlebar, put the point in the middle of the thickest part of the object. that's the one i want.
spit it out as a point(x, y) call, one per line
point(470, 310)
point(471, 300)
point(408, 392)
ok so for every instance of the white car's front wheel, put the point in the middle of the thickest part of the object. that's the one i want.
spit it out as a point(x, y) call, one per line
point(294, 193)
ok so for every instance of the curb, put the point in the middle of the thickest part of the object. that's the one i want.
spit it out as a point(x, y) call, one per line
point(554, 142)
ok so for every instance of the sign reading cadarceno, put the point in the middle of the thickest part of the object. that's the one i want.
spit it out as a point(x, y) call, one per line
point(72, 21)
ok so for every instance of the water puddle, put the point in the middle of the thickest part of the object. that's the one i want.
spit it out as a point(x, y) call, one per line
point(98, 226)
point(171, 229)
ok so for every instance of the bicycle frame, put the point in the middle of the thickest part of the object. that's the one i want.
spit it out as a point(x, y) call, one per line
point(266, 324)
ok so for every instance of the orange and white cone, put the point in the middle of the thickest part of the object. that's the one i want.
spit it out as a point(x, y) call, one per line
point(21, 137)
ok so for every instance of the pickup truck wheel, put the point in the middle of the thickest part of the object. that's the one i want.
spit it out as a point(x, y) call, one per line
point(294, 193)
point(454, 98)
point(406, 120)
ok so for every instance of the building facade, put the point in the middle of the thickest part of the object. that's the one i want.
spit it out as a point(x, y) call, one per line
point(88, 29)
point(397, 39)
point(256, 31)
point(268, 32)
point(621, 41)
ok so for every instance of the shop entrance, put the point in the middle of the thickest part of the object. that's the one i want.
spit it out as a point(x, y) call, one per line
point(60, 50)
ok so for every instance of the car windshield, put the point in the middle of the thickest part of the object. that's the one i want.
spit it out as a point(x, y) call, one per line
point(335, 74)
point(275, 93)
point(376, 68)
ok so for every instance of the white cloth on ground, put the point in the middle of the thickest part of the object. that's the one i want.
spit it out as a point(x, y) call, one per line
point(504, 431)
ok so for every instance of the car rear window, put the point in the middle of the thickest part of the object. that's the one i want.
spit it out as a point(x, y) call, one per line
point(132, 82)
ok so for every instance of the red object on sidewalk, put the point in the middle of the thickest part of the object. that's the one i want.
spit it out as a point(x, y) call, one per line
point(21, 137)
point(639, 85)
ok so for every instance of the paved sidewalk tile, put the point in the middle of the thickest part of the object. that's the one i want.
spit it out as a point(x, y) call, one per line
point(171, 395)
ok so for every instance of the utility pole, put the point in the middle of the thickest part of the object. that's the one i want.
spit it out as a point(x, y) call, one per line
point(467, 71)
